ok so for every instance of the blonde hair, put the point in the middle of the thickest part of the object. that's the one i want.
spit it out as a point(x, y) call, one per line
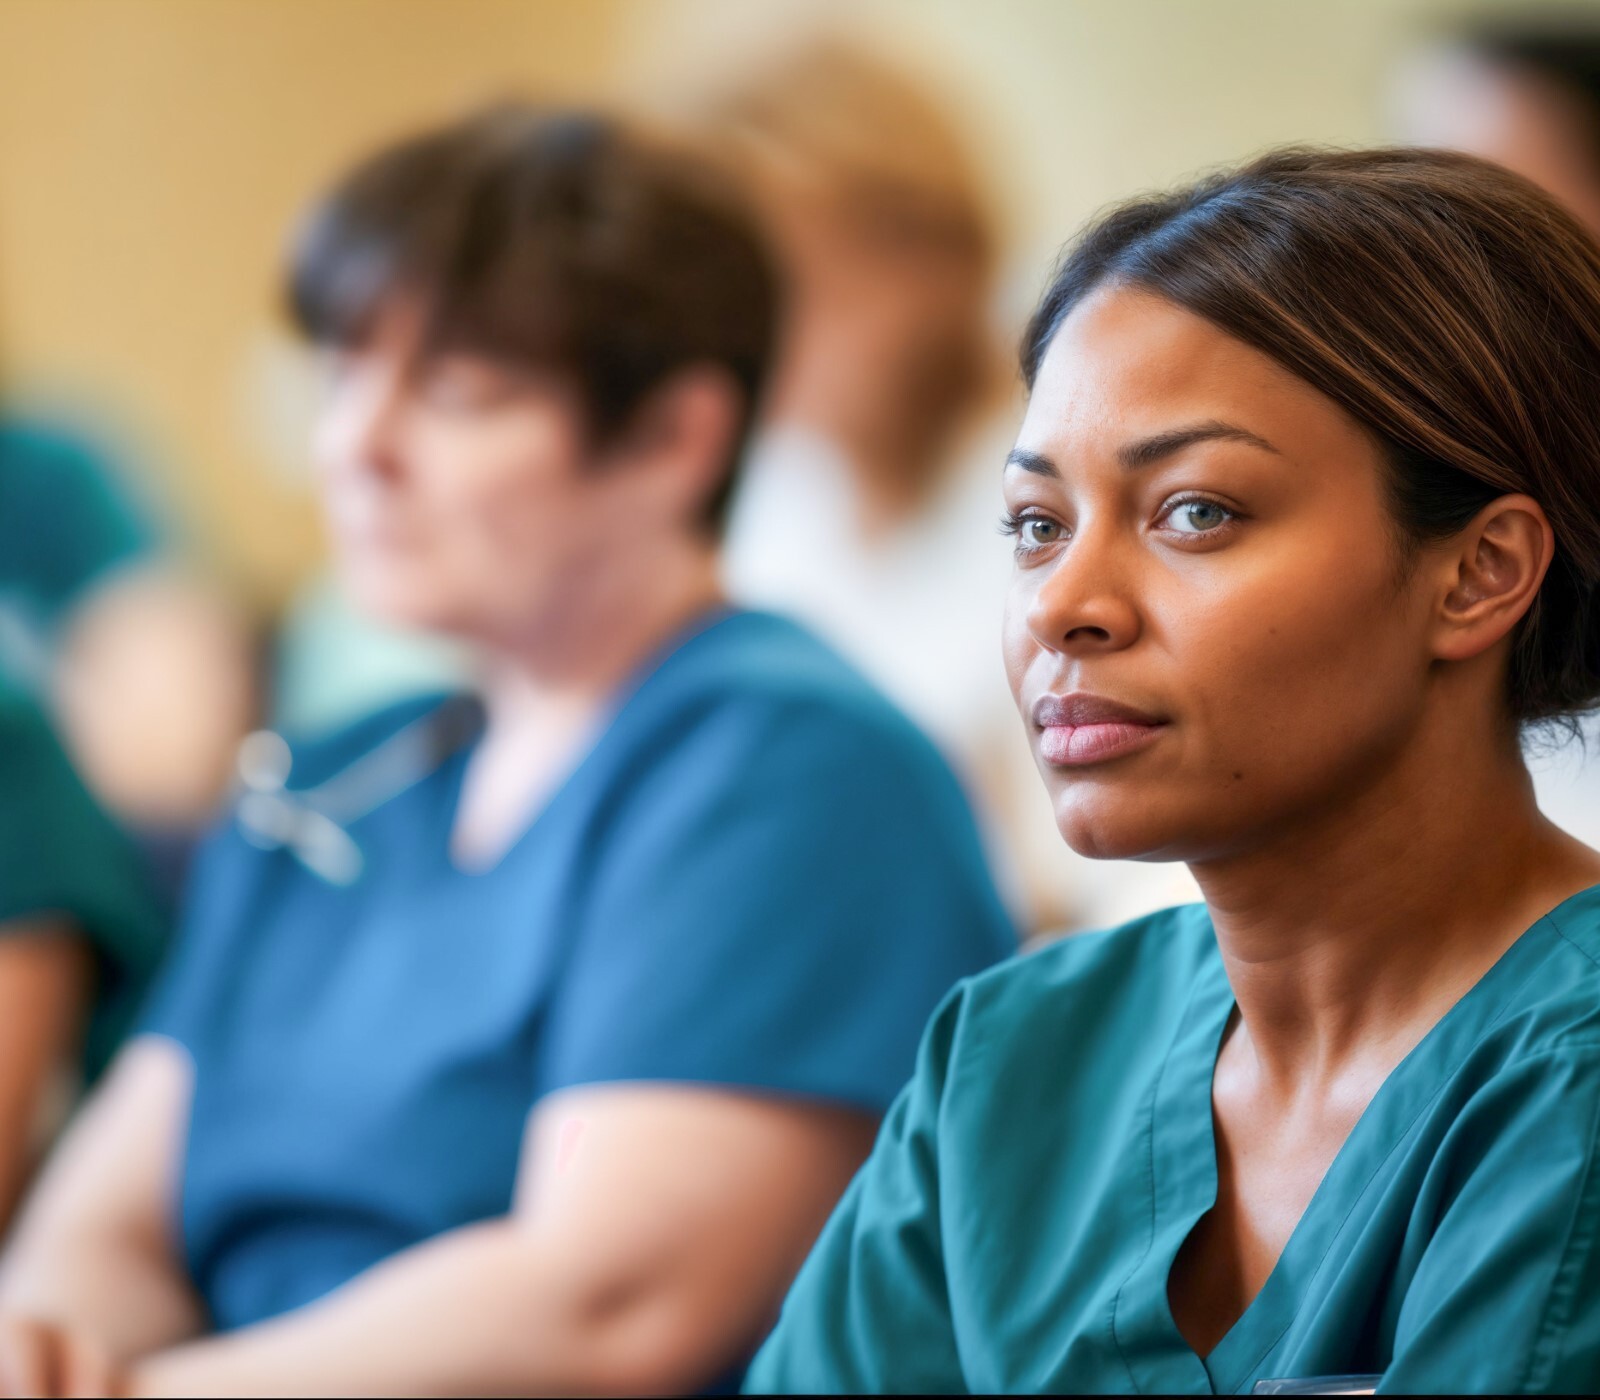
point(830, 123)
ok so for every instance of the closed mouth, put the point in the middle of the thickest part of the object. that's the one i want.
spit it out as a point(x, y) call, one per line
point(1077, 730)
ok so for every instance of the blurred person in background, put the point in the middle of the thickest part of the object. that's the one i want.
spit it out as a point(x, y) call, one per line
point(877, 453)
point(146, 668)
point(521, 1043)
point(1522, 88)
point(81, 931)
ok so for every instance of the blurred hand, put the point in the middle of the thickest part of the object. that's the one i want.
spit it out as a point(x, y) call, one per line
point(41, 1359)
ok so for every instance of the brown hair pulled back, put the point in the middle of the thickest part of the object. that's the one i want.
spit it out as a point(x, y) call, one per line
point(1450, 307)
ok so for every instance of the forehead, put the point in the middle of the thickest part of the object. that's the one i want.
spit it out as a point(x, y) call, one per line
point(1126, 363)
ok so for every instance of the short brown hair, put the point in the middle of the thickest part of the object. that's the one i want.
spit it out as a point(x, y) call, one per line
point(557, 239)
point(1452, 308)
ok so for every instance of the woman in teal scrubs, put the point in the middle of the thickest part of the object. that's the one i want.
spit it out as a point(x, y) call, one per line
point(1307, 517)
point(519, 1042)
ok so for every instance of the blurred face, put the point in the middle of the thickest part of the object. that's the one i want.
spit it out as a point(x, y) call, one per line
point(1208, 632)
point(1517, 119)
point(878, 330)
point(462, 494)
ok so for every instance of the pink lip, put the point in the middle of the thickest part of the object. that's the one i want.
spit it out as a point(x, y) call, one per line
point(1077, 730)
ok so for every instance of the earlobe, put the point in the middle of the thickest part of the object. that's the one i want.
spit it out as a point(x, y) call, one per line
point(1499, 562)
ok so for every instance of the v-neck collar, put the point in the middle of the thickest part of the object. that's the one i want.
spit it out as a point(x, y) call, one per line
point(1183, 1170)
point(586, 750)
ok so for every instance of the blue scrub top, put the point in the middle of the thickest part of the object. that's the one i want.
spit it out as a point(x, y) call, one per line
point(1017, 1222)
point(760, 876)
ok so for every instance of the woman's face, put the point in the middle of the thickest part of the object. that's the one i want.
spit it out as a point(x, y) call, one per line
point(1209, 632)
point(460, 492)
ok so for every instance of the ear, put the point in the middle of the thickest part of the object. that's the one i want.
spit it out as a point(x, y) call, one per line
point(683, 432)
point(1493, 571)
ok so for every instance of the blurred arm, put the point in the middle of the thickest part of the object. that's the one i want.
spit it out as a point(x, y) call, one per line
point(45, 977)
point(93, 1251)
point(655, 1230)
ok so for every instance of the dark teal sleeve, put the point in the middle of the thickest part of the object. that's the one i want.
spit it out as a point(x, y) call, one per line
point(870, 1311)
point(61, 855)
point(1506, 1297)
point(778, 903)
point(64, 517)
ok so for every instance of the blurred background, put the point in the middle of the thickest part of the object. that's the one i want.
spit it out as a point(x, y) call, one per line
point(154, 155)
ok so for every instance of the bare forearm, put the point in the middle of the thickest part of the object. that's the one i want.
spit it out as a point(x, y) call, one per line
point(95, 1246)
point(45, 973)
point(483, 1310)
point(124, 1294)
point(16, 1157)
point(29, 1070)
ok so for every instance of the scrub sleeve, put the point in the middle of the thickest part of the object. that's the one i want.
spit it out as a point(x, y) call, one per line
point(784, 929)
point(62, 856)
point(64, 519)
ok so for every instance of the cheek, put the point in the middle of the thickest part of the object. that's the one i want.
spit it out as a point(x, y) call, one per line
point(1289, 677)
point(1017, 646)
point(495, 504)
point(1294, 670)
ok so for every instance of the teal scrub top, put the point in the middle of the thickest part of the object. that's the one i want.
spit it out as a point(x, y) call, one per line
point(66, 520)
point(1016, 1223)
point(62, 857)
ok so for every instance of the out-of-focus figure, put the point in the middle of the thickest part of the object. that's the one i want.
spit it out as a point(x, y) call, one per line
point(871, 501)
point(147, 668)
point(1523, 90)
point(521, 1042)
point(80, 933)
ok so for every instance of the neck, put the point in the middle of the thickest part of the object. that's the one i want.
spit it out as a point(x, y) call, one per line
point(544, 691)
point(609, 624)
point(1349, 934)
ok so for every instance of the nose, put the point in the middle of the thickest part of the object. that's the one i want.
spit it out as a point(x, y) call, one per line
point(358, 429)
point(1085, 604)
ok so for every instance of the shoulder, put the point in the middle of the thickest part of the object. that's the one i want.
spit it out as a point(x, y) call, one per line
point(37, 768)
point(37, 450)
point(772, 671)
point(328, 771)
point(30, 440)
point(1576, 921)
point(1128, 986)
point(1158, 954)
point(22, 721)
point(320, 757)
point(51, 474)
point(1554, 1007)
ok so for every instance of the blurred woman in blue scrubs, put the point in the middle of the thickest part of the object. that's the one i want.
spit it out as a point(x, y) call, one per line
point(520, 1044)
point(1306, 509)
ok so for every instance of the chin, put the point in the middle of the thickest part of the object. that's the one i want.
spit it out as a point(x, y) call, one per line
point(397, 606)
point(1116, 826)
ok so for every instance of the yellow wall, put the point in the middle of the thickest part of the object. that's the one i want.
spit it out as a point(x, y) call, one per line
point(152, 154)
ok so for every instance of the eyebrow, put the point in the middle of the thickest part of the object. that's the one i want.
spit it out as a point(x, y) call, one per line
point(1148, 451)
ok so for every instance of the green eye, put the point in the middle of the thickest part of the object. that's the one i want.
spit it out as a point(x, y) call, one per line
point(1198, 517)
